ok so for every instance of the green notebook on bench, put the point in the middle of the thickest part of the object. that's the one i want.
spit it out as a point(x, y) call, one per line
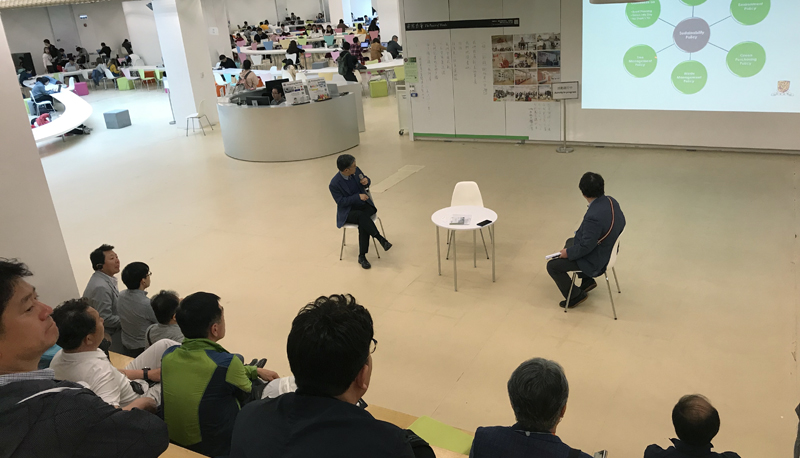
point(442, 435)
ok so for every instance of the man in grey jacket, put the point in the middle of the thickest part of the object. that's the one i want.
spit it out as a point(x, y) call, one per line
point(102, 290)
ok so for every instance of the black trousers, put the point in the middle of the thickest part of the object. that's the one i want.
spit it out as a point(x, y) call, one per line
point(558, 268)
point(362, 215)
point(351, 77)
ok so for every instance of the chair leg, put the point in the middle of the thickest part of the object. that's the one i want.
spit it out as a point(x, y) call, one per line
point(193, 128)
point(569, 295)
point(615, 280)
point(375, 243)
point(484, 243)
point(187, 127)
point(209, 122)
point(611, 296)
point(344, 233)
point(200, 121)
point(381, 223)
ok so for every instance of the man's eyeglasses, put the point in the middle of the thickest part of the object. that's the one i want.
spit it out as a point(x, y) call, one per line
point(373, 346)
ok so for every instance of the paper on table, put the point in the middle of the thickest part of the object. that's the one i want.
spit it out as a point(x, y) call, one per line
point(460, 220)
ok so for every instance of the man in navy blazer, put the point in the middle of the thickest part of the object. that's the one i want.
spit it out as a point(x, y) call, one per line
point(590, 250)
point(349, 189)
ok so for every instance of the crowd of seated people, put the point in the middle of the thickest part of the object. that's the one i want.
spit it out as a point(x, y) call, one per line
point(188, 389)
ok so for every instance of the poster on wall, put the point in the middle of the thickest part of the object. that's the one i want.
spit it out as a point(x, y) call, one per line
point(525, 66)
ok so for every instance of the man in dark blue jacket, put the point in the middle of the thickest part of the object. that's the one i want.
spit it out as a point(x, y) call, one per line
point(590, 250)
point(350, 190)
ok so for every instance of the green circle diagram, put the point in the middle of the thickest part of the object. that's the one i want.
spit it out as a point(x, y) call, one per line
point(643, 14)
point(640, 61)
point(750, 12)
point(689, 77)
point(693, 2)
point(746, 59)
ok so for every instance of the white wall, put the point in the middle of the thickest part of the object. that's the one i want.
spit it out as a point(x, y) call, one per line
point(143, 34)
point(64, 29)
point(361, 8)
point(252, 11)
point(29, 229)
point(306, 9)
point(106, 23)
point(216, 15)
point(388, 18)
point(22, 34)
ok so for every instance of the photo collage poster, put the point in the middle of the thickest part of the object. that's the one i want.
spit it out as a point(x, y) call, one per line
point(524, 66)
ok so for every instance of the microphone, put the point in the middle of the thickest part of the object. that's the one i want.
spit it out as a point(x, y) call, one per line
point(361, 177)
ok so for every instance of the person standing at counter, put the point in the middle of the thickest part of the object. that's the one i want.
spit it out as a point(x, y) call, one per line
point(277, 97)
point(248, 79)
point(47, 60)
point(347, 63)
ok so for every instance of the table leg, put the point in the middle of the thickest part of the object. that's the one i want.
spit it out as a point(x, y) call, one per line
point(474, 249)
point(493, 256)
point(455, 267)
point(438, 251)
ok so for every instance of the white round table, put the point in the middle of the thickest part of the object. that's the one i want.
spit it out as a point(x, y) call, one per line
point(444, 217)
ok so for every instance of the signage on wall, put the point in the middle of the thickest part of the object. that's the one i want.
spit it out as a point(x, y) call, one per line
point(84, 16)
point(566, 90)
point(468, 24)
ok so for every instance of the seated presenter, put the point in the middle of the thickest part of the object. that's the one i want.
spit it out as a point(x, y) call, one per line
point(590, 250)
point(350, 188)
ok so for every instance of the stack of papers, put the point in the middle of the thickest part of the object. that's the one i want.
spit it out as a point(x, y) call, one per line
point(460, 220)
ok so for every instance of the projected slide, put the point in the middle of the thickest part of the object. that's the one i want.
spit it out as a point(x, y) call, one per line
point(693, 55)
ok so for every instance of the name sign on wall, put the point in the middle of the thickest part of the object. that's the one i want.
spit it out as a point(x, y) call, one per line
point(566, 90)
point(468, 24)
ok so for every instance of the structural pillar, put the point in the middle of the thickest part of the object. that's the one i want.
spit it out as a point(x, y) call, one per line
point(29, 228)
point(389, 19)
point(182, 33)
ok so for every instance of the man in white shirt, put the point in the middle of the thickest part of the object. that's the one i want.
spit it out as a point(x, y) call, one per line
point(80, 330)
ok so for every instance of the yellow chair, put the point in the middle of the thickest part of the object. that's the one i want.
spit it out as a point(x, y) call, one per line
point(285, 43)
point(328, 76)
point(370, 62)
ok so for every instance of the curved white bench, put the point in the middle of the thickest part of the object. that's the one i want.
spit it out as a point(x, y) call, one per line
point(76, 112)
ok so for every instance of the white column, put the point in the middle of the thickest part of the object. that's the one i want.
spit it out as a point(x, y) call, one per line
point(340, 9)
point(29, 229)
point(182, 33)
point(216, 17)
point(389, 19)
point(142, 30)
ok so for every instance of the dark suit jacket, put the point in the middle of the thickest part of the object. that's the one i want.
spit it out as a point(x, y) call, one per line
point(591, 257)
point(346, 194)
point(683, 450)
point(514, 442)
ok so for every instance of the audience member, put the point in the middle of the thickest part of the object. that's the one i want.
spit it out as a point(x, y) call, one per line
point(99, 73)
point(71, 66)
point(538, 391)
point(128, 46)
point(164, 304)
point(81, 360)
point(203, 385)
point(330, 349)
point(102, 289)
point(42, 417)
point(355, 50)
point(376, 49)
point(83, 55)
point(590, 250)
point(329, 30)
point(350, 188)
point(394, 47)
point(696, 423)
point(341, 26)
point(23, 75)
point(294, 50)
point(135, 312)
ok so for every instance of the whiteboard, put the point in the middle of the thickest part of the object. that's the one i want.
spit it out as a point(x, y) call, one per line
point(432, 97)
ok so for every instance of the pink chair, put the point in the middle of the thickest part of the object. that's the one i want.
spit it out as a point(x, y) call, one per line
point(335, 55)
point(349, 39)
point(81, 89)
point(307, 46)
point(374, 34)
point(254, 46)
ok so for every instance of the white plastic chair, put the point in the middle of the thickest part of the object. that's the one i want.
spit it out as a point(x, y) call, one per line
point(127, 73)
point(355, 226)
point(71, 86)
point(611, 263)
point(200, 114)
point(257, 59)
point(109, 76)
point(467, 193)
point(220, 80)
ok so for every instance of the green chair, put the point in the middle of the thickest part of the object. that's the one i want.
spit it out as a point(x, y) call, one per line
point(399, 77)
point(442, 435)
point(28, 106)
point(124, 84)
point(378, 88)
point(370, 62)
point(160, 77)
point(302, 41)
point(147, 79)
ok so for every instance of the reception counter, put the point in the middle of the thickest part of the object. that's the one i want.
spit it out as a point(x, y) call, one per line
point(289, 133)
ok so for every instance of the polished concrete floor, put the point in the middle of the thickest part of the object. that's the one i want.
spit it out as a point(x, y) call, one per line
point(708, 268)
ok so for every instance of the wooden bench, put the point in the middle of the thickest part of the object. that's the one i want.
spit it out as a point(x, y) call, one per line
point(400, 419)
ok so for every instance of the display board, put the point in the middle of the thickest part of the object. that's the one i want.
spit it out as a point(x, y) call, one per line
point(455, 95)
point(692, 55)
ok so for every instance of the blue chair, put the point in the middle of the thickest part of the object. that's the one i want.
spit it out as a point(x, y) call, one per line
point(268, 45)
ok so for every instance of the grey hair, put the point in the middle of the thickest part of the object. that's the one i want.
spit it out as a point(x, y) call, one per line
point(538, 391)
